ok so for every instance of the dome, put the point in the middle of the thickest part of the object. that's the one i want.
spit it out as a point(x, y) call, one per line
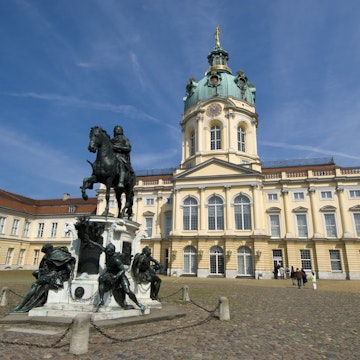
point(219, 81)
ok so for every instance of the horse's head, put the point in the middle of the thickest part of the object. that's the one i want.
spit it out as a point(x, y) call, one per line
point(95, 138)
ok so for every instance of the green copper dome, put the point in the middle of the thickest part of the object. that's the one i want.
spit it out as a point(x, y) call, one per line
point(219, 81)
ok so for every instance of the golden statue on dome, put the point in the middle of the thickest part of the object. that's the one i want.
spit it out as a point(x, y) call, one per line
point(217, 36)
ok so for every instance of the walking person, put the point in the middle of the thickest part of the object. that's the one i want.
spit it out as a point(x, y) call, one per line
point(313, 280)
point(299, 277)
point(293, 276)
point(304, 276)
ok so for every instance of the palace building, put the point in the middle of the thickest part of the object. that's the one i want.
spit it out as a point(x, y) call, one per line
point(226, 213)
point(223, 212)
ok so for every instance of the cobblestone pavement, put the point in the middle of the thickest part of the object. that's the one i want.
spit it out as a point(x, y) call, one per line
point(270, 319)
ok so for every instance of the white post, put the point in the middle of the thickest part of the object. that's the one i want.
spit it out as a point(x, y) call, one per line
point(186, 296)
point(80, 334)
point(3, 296)
point(224, 308)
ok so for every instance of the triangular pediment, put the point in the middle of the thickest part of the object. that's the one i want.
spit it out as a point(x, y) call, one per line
point(216, 168)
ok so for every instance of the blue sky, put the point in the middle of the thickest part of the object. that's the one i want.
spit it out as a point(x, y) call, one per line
point(69, 65)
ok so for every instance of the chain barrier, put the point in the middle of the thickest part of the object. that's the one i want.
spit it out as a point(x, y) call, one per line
point(54, 345)
point(13, 292)
point(113, 339)
point(168, 296)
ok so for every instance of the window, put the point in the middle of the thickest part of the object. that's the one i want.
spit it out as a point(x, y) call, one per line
point(36, 257)
point(27, 228)
point(192, 143)
point(357, 223)
point(354, 194)
point(277, 257)
point(325, 195)
point(273, 197)
point(40, 231)
point(190, 214)
point(274, 225)
point(299, 195)
point(15, 227)
point(216, 213)
point(305, 258)
point(216, 261)
point(150, 202)
point(2, 224)
point(335, 260)
point(190, 260)
point(242, 213)
point(245, 263)
point(302, 227)
point(215, 138)
point(53, 231)
point(241, 139)
point(168, 223)
point(21, 257)
point(149, 225)
point(9, 255)
point(330, 225)
point(169, 200)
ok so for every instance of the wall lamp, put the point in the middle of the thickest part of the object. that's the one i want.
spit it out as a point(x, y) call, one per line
point(258, 253)
point(228, 253)
point(200, 253)
point(173, 254)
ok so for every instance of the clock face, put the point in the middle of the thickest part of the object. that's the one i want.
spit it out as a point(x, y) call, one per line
point(213, 109)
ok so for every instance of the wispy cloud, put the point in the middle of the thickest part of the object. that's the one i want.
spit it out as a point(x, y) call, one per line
point(314, 149)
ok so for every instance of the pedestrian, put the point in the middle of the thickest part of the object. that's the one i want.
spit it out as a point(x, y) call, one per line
point(276, 272)
point(287, 271)
point(304, 276)
point(282, 272)
point(299, 277)
point(293, 275)
point(313, 280)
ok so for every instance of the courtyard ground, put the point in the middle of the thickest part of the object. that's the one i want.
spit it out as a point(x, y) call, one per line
point(269, 319)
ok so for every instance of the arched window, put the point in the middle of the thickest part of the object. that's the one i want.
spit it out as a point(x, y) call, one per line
point(241, 138)
point(216, 260)
point(216, 213)
point(245, 263)
point(242, 213)
point(192, 143)
point(190, 214)
point(215, 137)
point(190, 260)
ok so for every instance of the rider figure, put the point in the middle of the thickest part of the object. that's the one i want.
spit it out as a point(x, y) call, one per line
point(121, 146)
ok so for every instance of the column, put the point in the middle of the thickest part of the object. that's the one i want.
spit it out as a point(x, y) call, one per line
point(258, 209)
point(287, 213)
point(313, 212)
point(201, 210)
point(346, 226)
point(228, 213)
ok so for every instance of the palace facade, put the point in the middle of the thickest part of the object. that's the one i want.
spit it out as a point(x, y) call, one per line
point(223, 212)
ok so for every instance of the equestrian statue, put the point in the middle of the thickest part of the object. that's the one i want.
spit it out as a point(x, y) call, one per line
point(112, 168)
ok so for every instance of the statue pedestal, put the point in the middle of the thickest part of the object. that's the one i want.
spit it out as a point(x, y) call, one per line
point(81, 293)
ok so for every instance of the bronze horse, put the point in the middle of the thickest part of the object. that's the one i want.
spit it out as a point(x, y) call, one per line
point(106, 171)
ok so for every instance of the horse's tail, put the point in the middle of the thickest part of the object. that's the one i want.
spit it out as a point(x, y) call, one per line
point(90, 163)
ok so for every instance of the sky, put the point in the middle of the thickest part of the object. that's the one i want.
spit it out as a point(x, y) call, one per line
point(68, 65)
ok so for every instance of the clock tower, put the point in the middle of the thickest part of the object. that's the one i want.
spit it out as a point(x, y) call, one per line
point(219, 119)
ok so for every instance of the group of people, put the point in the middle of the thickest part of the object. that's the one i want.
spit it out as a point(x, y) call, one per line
point(298, 276)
